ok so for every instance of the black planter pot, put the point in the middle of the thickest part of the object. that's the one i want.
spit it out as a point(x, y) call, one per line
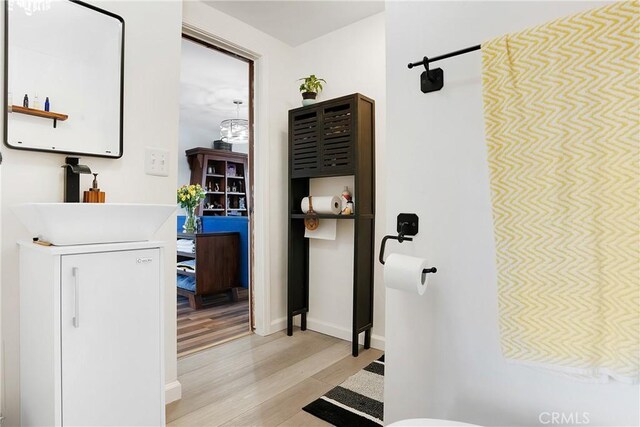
point(308, 98)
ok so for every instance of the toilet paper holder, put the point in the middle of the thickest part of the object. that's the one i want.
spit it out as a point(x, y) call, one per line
point(407, 226)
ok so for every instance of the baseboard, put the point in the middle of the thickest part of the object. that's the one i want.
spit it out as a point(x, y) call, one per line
point(277, 325)
point(172, 392)
point(377, 341)
point(334, 330)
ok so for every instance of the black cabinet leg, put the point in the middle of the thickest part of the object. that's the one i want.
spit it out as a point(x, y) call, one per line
point(367, 338)
point(303, 322)
point(354, 345)
point(289, 325)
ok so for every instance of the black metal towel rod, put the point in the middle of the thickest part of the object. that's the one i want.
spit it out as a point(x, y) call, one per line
point(433, 80)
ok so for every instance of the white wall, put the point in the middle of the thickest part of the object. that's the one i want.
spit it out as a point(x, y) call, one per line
point(351, 59)
point(152, 55)
point(275, 92)
point(443, 354)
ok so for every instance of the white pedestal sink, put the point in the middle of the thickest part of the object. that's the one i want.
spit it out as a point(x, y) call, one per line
point(65, 224)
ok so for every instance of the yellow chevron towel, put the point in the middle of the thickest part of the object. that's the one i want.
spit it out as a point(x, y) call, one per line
point(562, 117)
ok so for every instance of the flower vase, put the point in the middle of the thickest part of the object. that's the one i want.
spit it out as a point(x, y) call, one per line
point(191, 221)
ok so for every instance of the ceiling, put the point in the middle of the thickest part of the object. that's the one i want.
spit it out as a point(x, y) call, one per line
point(297, 22)
point(209, 82)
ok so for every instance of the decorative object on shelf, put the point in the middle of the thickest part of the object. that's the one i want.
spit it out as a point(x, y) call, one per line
point(219, 144)
point(210, 170)
point(235, 131)
point(231, 170)
point(241, 203)
point(346, 199)
point(25, 101)
point(47, 105)
point(349, 210)
point(311, 221)
point(36, 102)
point(310, 88)
point(216, 187)
point(189, 197)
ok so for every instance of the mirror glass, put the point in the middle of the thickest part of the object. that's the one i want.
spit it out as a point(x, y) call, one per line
point(63, 78)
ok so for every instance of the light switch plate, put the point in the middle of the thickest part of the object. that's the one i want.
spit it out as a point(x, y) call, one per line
point(156, 161)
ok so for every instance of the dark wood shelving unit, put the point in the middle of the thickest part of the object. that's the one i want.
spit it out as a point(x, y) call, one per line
point(333, 138)
point(40, 113)
point(217, 258)
point(200, 160)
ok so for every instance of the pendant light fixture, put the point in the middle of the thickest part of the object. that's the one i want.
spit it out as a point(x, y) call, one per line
point(235, 131)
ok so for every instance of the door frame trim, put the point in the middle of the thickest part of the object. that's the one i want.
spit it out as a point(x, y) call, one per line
point(260, 283)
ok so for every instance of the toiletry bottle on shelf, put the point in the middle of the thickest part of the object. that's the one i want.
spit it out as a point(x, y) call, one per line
point(9, 101)
point(36, 102)
point(350, 208)
point(346, 199)
point(25, 101)
point(46, 104)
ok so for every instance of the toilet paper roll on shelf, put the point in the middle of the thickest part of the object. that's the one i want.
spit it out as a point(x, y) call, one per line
point(406, 273)
point(323, 204)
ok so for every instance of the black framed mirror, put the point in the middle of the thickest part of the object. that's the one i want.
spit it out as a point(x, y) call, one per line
point(63, 78)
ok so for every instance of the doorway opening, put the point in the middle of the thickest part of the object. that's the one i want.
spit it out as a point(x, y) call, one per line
point(214, 263)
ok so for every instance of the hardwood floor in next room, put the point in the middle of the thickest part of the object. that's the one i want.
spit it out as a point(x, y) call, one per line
point(219, 321)
point(262, 381)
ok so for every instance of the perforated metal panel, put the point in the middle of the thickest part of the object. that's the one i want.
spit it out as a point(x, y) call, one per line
point(305, 144)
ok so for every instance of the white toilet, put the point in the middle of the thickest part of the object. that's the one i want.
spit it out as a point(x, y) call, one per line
point(429, 422)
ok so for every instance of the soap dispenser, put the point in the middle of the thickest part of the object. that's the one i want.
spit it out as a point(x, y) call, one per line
point(94, 195)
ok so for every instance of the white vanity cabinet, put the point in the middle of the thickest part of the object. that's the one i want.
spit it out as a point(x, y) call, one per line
point(91, 335)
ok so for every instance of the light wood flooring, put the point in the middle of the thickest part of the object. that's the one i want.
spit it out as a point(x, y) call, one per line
point(262, 381)
point(219, 321)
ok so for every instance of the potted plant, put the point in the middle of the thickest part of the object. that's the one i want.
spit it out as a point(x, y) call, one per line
point(310, 88)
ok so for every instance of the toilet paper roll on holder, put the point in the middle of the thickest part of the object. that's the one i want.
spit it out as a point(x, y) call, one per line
point(407, 226)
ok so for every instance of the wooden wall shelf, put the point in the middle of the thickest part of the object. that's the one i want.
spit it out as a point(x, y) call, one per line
point(40, 113)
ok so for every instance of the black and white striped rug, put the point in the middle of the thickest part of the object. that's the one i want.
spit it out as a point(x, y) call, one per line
point(356, 402)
